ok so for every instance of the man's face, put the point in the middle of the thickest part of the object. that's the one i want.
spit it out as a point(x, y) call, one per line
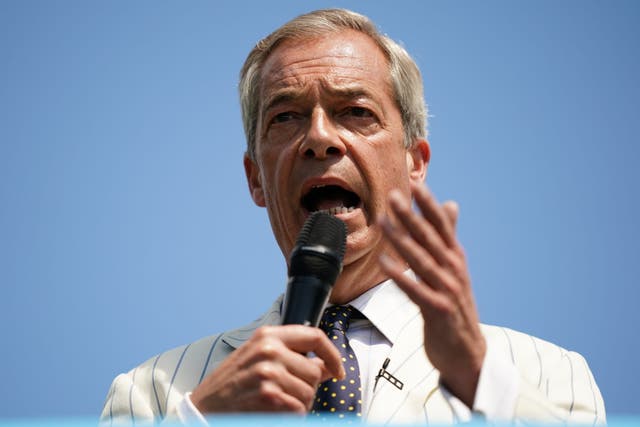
point(330, 137)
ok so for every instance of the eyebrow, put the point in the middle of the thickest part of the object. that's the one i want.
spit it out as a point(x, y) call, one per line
point(280, 97)
point(293, 93)
point(350, 91)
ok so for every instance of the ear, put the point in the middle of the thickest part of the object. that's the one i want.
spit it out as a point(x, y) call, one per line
point(418, 158)
point(252, 171)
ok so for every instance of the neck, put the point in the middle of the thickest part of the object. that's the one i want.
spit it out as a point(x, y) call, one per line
point(357, 277)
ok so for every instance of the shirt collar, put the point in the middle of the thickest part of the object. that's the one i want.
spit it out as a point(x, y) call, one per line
point(387, 307)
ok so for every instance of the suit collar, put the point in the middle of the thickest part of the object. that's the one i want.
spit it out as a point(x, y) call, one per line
point(235, 338)
point(408, 363)
point(400, 320)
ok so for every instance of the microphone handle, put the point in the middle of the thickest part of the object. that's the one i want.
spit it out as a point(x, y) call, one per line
point(305, 300)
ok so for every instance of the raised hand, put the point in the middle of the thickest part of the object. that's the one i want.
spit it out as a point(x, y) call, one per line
point(427, 243)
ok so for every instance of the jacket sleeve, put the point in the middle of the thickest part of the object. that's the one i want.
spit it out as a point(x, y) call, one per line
point(129, 401)
point(554, 385)
point(152, 392)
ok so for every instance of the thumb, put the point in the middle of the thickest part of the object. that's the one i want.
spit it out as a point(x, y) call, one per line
point(326, 373)
point(452, 209)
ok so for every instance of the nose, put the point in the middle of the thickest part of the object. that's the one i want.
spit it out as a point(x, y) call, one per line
point(322, 139)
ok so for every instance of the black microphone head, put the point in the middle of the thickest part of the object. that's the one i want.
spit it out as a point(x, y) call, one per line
point(324, 229)
point(320, 248)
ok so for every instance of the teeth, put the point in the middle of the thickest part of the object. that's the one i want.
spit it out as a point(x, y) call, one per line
point(338, 210)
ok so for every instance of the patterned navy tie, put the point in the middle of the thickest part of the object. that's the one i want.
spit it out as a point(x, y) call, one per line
point(342, 397)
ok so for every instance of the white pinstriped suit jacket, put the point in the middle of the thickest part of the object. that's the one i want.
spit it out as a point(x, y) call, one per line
point(555, 386)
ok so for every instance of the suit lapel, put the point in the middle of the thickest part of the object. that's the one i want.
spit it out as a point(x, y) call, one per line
point(409, 364)
point(237, 337)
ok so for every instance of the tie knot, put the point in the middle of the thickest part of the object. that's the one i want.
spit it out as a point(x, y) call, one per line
point(337, 317)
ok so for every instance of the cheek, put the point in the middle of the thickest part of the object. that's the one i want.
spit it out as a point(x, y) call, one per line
point(283, 135)
point(275, 168)
point(392, 168)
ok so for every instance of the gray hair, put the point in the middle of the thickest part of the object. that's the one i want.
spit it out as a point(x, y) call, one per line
point(405, 75)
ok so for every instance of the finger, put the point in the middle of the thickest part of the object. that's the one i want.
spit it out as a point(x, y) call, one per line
point(305, 339)
point(325, 374)
point(419, 229)
point(271, 397)
point(434, 213)
point(423, 296)
point(452, 210)
point(231, 388)
point(306, 368)
point(420, 261)
point(289, 383)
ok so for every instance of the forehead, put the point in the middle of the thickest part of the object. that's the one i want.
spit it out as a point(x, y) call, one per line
point(345, 58)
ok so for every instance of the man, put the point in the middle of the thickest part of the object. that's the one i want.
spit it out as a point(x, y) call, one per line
point(335, 121)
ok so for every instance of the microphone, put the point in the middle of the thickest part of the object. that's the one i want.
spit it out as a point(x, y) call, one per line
point(383, 373)
point(314, 266)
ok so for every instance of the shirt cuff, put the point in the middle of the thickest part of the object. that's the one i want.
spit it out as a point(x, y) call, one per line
point(498, 385)
point(461, 412)
point(189, 414)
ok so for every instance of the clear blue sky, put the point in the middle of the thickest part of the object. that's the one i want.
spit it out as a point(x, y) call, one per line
point(126, 227)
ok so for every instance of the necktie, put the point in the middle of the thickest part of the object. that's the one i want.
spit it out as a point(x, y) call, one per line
point(342, 397)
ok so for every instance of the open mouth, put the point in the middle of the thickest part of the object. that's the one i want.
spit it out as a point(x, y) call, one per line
point(332, 199)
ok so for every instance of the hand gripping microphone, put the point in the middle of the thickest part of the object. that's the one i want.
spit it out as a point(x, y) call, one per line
point(314, 266)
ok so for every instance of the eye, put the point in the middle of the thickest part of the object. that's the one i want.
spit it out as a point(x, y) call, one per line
point(360, 112)
point(283, 117)
point(359, 118)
